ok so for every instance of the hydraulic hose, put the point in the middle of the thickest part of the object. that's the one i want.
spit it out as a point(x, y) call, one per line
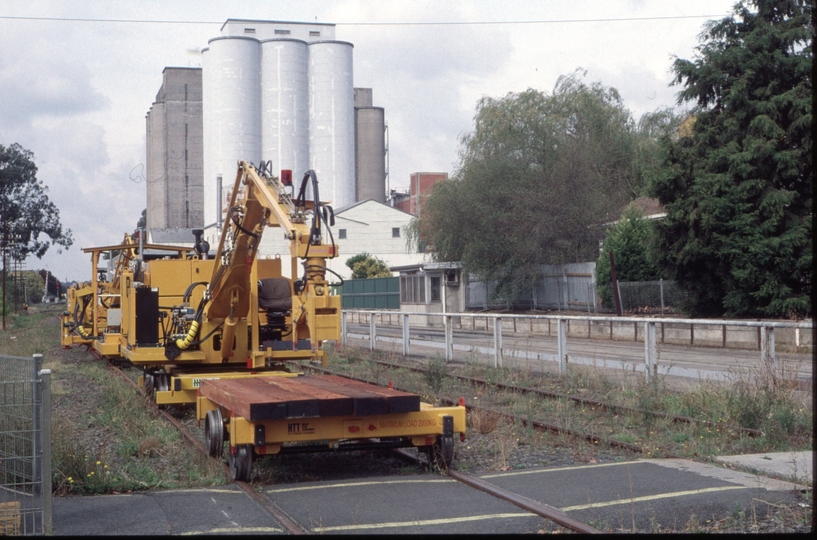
point(190, 337)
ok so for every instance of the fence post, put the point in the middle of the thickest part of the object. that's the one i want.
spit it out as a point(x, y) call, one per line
point(372, 331)
point(497, 342)
point(45, 378)
point(650, 353)
point(36, 427)
point(405, 334)
point(562, 346)
point(343, 329)
point(449, 339)
point(767, 354)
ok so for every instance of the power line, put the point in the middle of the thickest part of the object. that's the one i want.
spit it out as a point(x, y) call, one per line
point(449, 23)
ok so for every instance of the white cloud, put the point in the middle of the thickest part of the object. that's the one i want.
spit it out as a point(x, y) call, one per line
point(76, 93)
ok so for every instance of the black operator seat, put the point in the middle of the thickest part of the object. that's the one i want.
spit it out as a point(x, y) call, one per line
point(275, 294)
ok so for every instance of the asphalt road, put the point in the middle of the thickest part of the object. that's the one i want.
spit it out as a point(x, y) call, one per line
point(617, 496)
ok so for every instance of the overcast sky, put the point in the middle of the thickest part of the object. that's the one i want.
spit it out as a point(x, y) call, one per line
point(76, 93)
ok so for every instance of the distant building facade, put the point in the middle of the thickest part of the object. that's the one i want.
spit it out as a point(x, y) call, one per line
point(420, 186)
point(174, 152)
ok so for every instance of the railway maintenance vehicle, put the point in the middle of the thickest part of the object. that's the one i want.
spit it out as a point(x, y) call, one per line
point(222, 334)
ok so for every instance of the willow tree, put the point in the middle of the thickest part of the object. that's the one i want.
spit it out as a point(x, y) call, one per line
point(738, 185)
point(537, 177)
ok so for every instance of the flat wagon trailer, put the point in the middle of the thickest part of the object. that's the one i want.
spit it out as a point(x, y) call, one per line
point(313, 413)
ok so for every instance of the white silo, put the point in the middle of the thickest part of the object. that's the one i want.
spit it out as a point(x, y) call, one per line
point(331, 120)
point(231, 96)
point(285, 105)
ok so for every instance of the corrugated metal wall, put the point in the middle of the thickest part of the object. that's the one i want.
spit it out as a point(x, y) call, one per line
point(374, 293)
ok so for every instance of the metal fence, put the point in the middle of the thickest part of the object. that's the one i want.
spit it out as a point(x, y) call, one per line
point(559, 286)
point(25, 447)
point(652, 332)
point(651, 296)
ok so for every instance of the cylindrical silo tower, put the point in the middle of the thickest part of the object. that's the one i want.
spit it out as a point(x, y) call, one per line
point(331, 120)
point(370, 145)
point(285, 105)
point(231, 108)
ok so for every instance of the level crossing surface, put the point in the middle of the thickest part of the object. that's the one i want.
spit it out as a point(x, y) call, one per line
point(620, 496)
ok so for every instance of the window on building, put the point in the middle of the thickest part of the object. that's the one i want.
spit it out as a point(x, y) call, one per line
point(342, 234)
point(313, 33)
point(413, 289)
point(279, 32)
point(249, 30)
point(435, 289)
point(395, 232)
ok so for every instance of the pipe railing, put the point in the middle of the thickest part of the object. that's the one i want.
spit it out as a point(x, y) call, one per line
point(766, 332)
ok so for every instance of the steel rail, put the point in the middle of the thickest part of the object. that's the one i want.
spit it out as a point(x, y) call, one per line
point(583, 401)
point(269, 506)
point(535, 507)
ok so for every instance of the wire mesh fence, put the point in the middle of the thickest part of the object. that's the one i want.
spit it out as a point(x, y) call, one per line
point(25, 475)
point(651, 296)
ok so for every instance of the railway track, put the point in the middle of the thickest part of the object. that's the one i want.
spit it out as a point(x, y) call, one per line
point(293, 527)
point(525, 422)
point(617, 409)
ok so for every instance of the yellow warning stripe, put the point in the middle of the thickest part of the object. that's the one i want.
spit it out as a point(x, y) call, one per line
point(419, 523)
point(356, 484)
point(650, 498)
point(497, 475)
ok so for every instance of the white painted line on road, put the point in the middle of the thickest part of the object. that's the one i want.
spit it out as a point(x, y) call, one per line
point(233, 530)
point(356, 484)
point(650, 498)
point(419, 523)
point(577, 467)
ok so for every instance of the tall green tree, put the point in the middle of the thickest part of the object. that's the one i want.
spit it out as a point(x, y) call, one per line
point(28, 219)
point(738, 186)
point(628, 240)
point(534, 174)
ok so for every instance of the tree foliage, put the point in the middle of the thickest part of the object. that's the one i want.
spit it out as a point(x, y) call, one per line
point(25, 210)
point(364, 265)
point(535, 173)
point(737, 186)
point(628, 240)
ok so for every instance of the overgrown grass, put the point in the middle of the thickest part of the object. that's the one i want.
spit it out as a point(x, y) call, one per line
point(106, 437)
point(783, 414)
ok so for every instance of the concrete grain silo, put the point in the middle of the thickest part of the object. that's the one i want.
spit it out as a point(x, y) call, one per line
point(285, 105)
point(331, 120)
point(231, 95)
point(370, 128)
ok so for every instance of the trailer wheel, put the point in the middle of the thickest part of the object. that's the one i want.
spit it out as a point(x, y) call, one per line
point(148, 384)
point(441, 453)
point(241, 463)
point(214, 433)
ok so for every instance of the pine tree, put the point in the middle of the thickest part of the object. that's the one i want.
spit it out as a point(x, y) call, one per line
point(738, 186)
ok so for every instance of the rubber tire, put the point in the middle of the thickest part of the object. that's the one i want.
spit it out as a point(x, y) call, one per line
point(241, 463)
point(214, 433)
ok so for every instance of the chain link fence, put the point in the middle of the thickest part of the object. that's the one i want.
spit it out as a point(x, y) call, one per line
point(661, 296)
point(25, 447)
